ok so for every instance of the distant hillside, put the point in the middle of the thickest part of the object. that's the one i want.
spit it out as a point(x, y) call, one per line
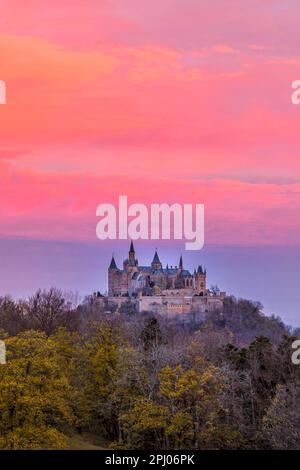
point(80, 378)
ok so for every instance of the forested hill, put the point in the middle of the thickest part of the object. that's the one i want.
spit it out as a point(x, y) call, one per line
point(245, 320)
point(137, 381)
point(48, 310)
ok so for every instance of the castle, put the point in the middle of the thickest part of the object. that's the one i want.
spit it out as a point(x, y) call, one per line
point(171, 290)
point(134, 279)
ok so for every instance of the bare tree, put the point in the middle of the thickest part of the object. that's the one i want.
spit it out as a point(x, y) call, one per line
point(47, 310)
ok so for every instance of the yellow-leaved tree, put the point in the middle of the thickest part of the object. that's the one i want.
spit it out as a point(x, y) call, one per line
point(34, 394)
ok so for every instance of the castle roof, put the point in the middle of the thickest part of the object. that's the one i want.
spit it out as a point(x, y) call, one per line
point(170, 270)
point(158, 271)
point(156, 259)
point(185, 273)
point(144, 268)
point(148, 269)
point(113, 264)
point(131, 247)
point(167, 270)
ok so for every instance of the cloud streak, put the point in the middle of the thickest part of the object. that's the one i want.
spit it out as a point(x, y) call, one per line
point(162, 103)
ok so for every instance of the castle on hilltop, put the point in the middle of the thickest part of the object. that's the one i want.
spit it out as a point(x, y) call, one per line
point(153, 279)
point(171, 290)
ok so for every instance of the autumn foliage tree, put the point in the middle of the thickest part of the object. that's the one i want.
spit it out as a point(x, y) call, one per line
point(139, 381)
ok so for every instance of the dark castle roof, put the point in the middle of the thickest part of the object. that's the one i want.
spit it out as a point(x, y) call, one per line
point(144, 268)
point(185, 273)
point(113, 264)
point(170, 270)
point(156, 259)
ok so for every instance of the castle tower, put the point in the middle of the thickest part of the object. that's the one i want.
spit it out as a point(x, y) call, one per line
point(131, 257)
point(112, 265)
point(180, 264)
point(201, 280)
point(112, 275)
point(156, 264)
point(130, 266)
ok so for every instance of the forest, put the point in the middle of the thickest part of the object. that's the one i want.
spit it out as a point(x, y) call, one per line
point(79, 377)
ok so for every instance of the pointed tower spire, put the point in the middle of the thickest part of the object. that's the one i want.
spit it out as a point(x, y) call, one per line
point(181, 263)
point(131, 254)
point(112, 263)
point(156, 264)
point(156, 258)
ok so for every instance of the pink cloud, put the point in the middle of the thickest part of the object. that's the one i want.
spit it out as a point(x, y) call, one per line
point(223, 49)
point(163, 101)
point(60, 206)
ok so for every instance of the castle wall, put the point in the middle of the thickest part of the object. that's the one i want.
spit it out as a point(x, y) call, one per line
point(179, 304)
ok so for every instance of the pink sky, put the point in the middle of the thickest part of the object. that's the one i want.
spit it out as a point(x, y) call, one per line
point(170, 101)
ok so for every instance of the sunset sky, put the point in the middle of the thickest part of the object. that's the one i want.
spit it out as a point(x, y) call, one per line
point(164, 101)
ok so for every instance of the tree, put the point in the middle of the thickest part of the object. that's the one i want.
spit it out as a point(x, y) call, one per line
point(215, 289)
point(12, 318)
point(128, 307)
point(194, 400)
point(144, 425)
point(34, 394)
point(47, 310)
point(281, 424)
point(151, 335)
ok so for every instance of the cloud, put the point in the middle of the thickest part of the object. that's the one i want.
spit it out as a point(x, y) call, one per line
point(62, 206)
point(223, 49)
point(160, 100)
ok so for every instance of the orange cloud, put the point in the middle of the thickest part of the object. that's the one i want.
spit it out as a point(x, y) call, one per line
point(155, 109)
point(60, 206)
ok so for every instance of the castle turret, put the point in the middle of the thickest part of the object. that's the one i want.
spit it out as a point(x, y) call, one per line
point(112, 275)
point(131, 257)
point(180, 264)
point(130, 266)
point(200, 280)
point(156, 264)
point(112, 264)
